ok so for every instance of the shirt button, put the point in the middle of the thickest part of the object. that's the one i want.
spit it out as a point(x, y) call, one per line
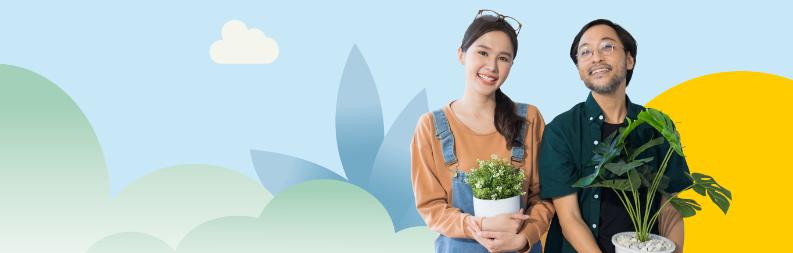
point(596, 142)
point(594, 225)
point(590, 118)
point(600, 117)
point(596, 196)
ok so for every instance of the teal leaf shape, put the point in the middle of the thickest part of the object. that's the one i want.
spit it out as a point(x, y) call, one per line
point(278, 172)
point(378, 163)
point(390, 178)
point(359, 119)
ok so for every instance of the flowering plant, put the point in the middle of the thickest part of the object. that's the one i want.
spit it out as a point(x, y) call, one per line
point(495, 179)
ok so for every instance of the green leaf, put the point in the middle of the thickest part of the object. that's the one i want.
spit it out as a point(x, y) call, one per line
point(664, 125)
point(619, 184)
point(620, 168)
point(704, 184)
point(632, 183)
point(586, 181)
point(624, 132)
point(648, 175)
point(699, 189)
point(649, 144)
point(686, 207)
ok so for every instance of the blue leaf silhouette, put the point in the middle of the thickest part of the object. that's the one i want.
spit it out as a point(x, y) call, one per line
point(390, 178)
point(359, 119)
point(278, 172)
point(378, 164)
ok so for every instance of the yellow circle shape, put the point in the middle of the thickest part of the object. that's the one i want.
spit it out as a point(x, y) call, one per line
point(736, 127)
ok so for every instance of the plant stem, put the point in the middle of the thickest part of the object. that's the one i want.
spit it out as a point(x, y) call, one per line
point(653, 188)
point(641, 231)
point(630, 211)
point(669, 200)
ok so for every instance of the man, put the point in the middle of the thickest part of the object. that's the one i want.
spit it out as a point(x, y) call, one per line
point(586, 218)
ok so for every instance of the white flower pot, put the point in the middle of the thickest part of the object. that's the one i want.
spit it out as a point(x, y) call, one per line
point(490, 208)
point(626, 242)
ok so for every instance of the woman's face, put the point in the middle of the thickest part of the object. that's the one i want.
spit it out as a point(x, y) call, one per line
point(487, 62)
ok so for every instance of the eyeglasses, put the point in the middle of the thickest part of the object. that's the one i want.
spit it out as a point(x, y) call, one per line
point(605, 48)
point(492, 16)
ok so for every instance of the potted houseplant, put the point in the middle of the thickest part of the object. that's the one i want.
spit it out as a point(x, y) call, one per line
point(497, 187)
point(628, 173)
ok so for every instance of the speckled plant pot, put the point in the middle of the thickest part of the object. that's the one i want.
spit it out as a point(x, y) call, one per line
point(626, 242)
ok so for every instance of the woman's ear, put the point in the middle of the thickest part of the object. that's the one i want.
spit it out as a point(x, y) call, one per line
point(460, 55)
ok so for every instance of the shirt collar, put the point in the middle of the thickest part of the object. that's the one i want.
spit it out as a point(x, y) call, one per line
point(593, 109)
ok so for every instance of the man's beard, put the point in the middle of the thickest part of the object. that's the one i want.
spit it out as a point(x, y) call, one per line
point(611, 86)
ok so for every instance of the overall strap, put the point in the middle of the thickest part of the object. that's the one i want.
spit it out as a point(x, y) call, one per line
point(518, 153)
point(444, 133)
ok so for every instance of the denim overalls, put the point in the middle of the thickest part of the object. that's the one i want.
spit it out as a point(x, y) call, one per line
point(462, 194)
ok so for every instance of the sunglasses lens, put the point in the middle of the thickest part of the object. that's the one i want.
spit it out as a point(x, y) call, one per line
point(512, 22)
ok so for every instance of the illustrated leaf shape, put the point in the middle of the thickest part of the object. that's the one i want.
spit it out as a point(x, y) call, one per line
point(390, 178)
point(359, 119)
point(278, 172)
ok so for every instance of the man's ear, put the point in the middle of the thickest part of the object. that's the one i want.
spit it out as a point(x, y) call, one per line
point(460, 57)
point(629, 62)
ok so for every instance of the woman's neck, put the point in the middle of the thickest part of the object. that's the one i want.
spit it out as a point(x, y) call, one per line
point(476, 105)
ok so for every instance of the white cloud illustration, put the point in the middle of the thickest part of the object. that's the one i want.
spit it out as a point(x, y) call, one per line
point(241, 45)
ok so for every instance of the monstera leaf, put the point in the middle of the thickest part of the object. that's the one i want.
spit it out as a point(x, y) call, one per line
point(377, 163)
point(706, 185)
point(664, 125)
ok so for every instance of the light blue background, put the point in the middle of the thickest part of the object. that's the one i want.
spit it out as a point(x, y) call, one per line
point(141, 71)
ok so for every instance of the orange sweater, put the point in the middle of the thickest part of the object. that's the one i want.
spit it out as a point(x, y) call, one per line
point(432, 179)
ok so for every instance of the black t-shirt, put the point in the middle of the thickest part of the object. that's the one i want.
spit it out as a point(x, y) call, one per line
point(613, 217)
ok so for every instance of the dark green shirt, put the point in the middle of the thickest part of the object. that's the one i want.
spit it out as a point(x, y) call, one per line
point(566, 155)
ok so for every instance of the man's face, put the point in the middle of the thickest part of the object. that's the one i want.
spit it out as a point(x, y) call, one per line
point(602, 60)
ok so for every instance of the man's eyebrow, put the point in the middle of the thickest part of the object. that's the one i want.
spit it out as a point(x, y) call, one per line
point(601, 39)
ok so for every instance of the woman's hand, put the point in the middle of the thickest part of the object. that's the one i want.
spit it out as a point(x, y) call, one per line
point(497, 241)
point(508, 222)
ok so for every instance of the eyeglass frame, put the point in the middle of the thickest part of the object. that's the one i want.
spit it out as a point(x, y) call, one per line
point(501, 17)
point(599, 49)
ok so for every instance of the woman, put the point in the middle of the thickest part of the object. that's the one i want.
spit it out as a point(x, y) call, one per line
point(483, 122)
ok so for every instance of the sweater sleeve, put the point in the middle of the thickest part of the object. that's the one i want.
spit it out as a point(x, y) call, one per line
point(540, 211)
point(431, 198)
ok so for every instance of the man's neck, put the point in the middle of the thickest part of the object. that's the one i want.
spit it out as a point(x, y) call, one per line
point(613, 105)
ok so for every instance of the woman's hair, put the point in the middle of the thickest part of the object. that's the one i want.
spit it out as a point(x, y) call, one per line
point(507, 123)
